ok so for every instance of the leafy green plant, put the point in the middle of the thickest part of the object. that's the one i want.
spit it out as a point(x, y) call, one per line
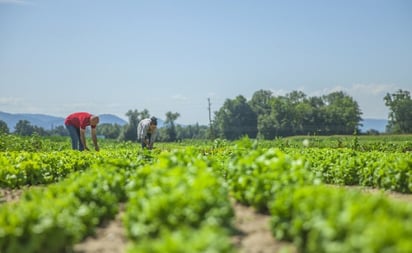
point(325, 219)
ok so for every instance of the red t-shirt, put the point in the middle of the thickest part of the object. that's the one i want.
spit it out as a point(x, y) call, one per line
point(78, 120)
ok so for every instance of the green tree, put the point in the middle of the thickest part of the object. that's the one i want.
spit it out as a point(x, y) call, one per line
point(4, 129)
point(195, 131)
point(170, 127)
point(40, 131)
point(59, 130)
point(144, 114)
point(23, 128)
point(342, 113)
point(236, 119)
point(267, 126)
point(109, 131)
point(293, 114)
point(400, 111)
point(261, 102)
point(261, 105)
point(129, 132)
point(314, 124)
point(282, 116)
point(298, 111)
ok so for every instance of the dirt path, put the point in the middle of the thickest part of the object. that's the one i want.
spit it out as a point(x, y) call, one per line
point(109, 238)
point(397, 196)
point(10, 195)
point(253, 235)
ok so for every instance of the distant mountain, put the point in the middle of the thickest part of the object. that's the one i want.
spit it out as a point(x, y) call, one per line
point(111, 119)
point(376, 124)
point(41, 120)
point(48, 122)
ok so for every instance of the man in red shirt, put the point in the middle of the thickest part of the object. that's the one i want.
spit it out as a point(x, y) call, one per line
point(76, 124)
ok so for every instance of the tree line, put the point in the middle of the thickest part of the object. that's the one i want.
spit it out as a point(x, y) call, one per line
point(267, 116)
point(264, 116)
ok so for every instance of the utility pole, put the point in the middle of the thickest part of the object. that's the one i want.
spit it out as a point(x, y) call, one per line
point(210, 119)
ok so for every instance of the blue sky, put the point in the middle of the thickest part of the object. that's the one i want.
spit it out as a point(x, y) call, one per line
point(57, 57)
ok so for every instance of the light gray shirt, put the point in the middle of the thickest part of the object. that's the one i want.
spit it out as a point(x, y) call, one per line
point(142, 129)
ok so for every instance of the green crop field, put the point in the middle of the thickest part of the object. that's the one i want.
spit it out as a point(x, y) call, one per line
point(178, 197)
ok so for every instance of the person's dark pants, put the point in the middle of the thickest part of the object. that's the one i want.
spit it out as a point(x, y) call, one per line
point(75, 136)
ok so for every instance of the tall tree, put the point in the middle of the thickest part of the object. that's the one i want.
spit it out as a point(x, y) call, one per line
point(4, 129)
point(316, 122)
point(293, 114)
point(342, 113)
point(195, 131)
point(282, 116)
point(144, 114)
point(109, 131)
point(23, 128)
point(261, 104)
point(400, 114)
point(267, 126)
point(236, 119)
point(170, 125)
point(60, 131)
point(130, 130)
point(298, 111)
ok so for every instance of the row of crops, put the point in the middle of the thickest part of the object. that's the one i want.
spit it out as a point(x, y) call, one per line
point(174, 203)
point(177, 198)
point(314, 215)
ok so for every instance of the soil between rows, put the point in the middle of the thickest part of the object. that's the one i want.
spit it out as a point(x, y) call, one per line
point(253, 235)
